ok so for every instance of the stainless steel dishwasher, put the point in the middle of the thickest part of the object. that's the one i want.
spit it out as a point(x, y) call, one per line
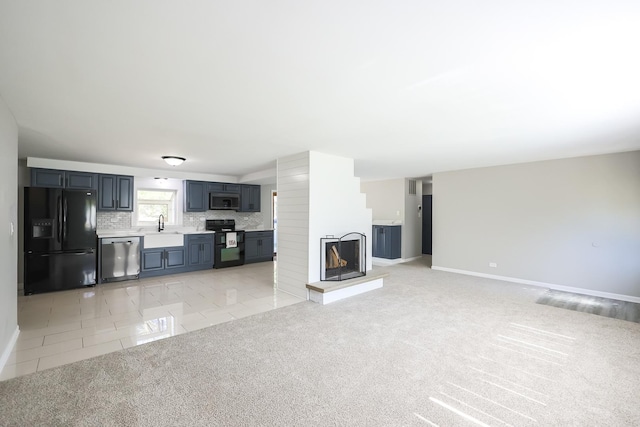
point(120, 258)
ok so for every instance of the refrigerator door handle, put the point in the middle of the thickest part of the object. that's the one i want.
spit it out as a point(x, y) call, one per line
point(59, 219)
point(64, 219)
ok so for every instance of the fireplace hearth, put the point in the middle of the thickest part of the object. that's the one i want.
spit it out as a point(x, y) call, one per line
point(343, 258)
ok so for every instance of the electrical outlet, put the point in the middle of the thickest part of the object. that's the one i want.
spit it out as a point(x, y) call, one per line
point(493, 265)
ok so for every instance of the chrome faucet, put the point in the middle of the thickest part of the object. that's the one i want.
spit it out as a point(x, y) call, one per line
point(161, 222)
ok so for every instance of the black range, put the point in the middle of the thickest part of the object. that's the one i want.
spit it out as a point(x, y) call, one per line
point(228, 243)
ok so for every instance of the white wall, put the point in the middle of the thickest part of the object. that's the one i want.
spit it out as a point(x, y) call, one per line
point(570, 222)
point(293, 224)
point(336, 205)
point(24, 180)
point(317, 196)
point(8, 239)
point(411, 222)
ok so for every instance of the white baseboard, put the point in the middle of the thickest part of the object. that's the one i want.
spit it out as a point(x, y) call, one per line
point(7, 351)
point(384, 261)
point(582, 291)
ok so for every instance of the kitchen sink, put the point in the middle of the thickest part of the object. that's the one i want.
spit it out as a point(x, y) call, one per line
point(163, 239)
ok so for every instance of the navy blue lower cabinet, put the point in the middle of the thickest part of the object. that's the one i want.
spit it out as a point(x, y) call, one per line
point(152, 259)
point(258, 246)
point(199, 251)
point(161, 261)
point(387, 241)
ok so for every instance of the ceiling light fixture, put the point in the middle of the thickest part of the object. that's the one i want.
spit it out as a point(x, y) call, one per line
point(173, 160)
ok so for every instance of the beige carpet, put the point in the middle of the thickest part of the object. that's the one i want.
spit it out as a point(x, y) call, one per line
point(430, 348)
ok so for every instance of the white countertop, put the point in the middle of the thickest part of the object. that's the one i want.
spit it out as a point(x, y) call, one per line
point(145, 231)
point(387, 222)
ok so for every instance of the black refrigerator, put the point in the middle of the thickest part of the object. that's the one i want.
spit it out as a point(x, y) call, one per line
point(59, 239)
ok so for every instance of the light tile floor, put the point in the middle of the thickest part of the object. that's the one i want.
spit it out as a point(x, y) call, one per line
point(63, 327)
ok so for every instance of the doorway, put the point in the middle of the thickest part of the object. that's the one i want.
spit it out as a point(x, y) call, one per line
point(427, 224)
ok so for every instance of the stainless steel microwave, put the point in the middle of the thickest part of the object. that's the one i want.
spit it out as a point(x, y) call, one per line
point(221, 201)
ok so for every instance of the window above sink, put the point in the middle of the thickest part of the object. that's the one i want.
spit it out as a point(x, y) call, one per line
point(155, 197)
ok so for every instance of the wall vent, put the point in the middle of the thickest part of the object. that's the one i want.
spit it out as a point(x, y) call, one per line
point(412, 187)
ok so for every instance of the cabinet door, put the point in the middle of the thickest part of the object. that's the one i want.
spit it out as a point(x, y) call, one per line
point(107, 197)
point(195, 196)
point(124, 193)
point(251, 248)
point(250, 198)
point(47, 178)
point(394, 242)
point(232, 188)
point(378, 241)
point(194, 250)
point(152, 259)
point(221, 187)
point(207, 253)
point(81, 180)
point(266, 247)
point(174, 257)
point(215, 187)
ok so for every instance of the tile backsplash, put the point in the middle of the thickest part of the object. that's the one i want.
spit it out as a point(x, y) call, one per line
point(123, 220)
point(113, 220)
point(244, 220)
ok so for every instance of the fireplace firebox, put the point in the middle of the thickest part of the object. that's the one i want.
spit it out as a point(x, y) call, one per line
point(343, 258)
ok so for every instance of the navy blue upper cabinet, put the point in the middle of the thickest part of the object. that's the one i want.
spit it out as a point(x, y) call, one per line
point(250, 198)
point(54, 178)
point(124, 185)
point(221, 187)
point(196, 196)
point(47, 178)
point(81, 180)
point(115, 193)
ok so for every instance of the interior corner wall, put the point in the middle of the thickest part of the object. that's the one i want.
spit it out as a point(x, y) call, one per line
point(412, 222)
point(571, 223)
point(24, 180)
point(9, 240)
point(293, 224)
point(385, 198)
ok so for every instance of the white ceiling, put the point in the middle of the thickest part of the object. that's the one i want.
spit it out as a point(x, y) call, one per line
point(406, 88)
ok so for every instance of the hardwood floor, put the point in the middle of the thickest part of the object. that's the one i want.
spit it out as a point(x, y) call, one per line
point(616, 309)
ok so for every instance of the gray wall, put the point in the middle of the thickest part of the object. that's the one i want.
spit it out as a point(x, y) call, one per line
point(569, 222)
point(412, 223)
point(385, 198)
point(8, 241)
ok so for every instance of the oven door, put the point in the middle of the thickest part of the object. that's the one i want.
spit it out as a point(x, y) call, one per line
point(228, 257)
